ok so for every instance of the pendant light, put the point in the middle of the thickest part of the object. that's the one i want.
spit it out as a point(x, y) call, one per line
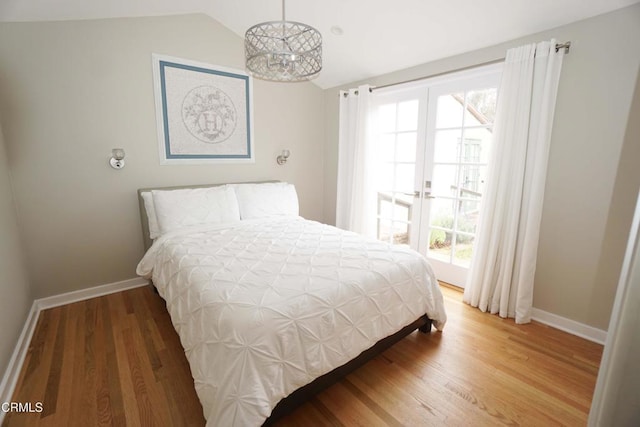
point(284, 51)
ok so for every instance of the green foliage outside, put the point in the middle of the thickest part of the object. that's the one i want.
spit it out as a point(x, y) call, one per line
point(441, 238)
point(438, 239)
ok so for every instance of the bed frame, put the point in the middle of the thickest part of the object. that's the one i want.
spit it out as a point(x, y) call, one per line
point(303, 394)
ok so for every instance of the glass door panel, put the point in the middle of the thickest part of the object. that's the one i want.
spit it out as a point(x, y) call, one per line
point(432, 150)
point(459, 134)
point(400, 120)
point(448, 112)
point(462, 250)
point(446, 147)
point(481, 106)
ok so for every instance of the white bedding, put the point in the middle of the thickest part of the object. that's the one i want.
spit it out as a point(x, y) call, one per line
point(263, 307)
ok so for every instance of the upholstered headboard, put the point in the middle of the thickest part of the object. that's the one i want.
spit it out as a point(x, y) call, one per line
point(143, 211)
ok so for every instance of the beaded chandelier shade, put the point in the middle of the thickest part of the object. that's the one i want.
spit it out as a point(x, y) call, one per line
point(283, 50)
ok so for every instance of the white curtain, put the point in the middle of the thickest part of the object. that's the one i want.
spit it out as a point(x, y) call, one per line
point(504, 262)
point(355, 204)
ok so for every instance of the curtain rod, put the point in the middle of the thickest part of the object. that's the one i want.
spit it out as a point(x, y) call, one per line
point(566, 46)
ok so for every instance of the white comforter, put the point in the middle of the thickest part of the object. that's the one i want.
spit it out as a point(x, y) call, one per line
point(264, 307)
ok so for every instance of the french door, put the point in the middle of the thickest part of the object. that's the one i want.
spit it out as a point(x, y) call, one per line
point(433, 141)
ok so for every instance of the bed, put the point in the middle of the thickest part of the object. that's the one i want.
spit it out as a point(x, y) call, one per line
point(270, 307)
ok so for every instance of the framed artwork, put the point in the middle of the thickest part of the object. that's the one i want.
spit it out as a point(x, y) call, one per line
point(203, 112)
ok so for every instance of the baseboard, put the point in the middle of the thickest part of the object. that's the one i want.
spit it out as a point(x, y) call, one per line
point(10, 378)
point(85, 294)
point(11, 375)
point(571, 326)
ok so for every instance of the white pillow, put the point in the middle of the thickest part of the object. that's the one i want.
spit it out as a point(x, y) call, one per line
point(176, 209)
point(266, 200)
point(149, 206)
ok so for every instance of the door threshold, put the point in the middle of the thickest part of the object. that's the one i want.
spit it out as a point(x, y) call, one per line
point(450, 286)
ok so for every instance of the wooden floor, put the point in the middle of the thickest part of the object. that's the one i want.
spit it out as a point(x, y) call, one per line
point(116, 360)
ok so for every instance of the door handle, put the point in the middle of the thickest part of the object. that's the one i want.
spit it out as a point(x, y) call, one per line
point(417, 194)
point(414, 194)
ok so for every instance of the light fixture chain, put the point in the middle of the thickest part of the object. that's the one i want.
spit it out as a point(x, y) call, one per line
point(284, 35)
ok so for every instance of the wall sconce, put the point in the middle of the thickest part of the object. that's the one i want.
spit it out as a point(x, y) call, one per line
point(282, 158)
point(117, 158)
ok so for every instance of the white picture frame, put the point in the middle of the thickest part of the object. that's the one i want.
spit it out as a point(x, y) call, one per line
point(204, 112)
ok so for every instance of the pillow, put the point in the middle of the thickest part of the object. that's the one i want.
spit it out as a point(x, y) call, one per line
point(149, 206)
point(266, 200)
point(176, 209)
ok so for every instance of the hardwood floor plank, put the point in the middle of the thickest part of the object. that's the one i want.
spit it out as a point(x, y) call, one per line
point(78, 372)
point(145, 409)
point(116, 360)
point(155, 305)
point(65, 392)
point(128, 304)
point(400, 393)
point(87, 401)
point(435, 391)
point(112, 370)
point(129, 400)
point(145, 354)
point(53, 382)
point(387, 418)
point(348, 408)
point(142, 313)
point(105, 411)
point(309, 415)
point(328, 416)
point(474, 380)
point(184, 408)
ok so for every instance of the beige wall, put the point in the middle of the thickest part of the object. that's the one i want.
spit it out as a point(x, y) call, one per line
point(616, 399)
point(72, 91)
point(14, 285)
point(575, 278)
point(621, 209)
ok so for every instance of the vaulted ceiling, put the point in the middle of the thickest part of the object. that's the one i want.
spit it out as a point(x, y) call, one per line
point(377, 36)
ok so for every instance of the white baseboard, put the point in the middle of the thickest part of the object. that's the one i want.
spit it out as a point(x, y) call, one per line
point(571, 326)
point(85, 294)
point(12, 374)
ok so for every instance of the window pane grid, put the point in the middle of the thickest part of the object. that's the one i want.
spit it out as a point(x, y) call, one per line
point(397, 132)
point(397, 161)
point(463, 233)
point(459, 172)
point(400, 221)
point(460, 163)
point(488, 126)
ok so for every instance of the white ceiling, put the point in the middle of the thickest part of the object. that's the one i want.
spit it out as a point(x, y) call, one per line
point(379, 36)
